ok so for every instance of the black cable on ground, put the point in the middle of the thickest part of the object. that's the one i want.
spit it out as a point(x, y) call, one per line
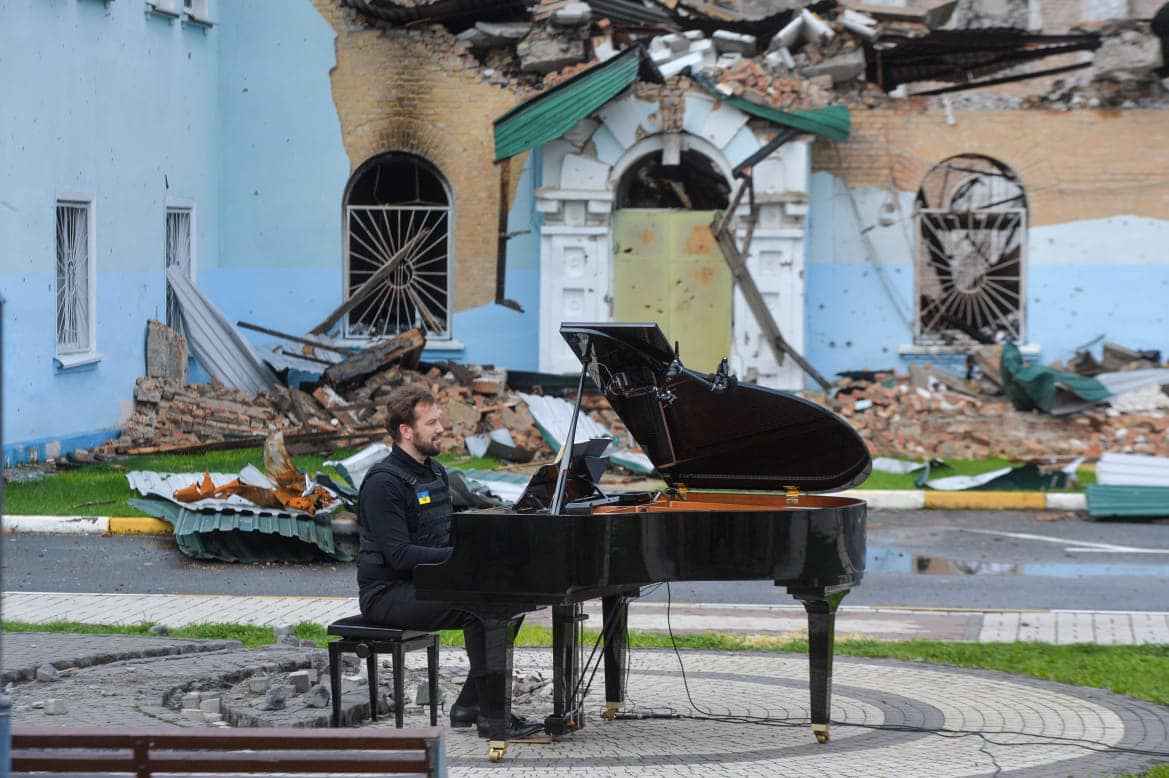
point(1095, 746)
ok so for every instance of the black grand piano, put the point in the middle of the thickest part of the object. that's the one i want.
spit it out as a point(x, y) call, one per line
point(740, 461)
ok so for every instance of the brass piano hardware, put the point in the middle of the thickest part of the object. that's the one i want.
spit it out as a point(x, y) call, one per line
point(792, 493)
point(611, 709)
point(682, 491)
point(821, 732)
point(498, 749)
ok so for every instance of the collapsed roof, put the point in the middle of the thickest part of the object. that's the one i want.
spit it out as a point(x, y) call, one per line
point(780, 54)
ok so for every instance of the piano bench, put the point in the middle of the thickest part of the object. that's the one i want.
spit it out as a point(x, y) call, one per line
point(367, 639)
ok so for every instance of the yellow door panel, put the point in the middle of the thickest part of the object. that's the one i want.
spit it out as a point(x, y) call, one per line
point(668, 269)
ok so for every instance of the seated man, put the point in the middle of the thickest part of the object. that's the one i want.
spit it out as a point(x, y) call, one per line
point(404, 518)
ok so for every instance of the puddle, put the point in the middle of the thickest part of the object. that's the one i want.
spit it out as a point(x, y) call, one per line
point(892, 560)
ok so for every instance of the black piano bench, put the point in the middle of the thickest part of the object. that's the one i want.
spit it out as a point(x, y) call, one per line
point(367, 639)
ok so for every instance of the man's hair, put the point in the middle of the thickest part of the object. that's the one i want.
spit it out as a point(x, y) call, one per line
point(401, 408)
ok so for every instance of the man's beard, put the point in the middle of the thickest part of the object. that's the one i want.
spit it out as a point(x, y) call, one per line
point(427, 448)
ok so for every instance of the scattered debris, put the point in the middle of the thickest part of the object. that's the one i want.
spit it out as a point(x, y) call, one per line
point(552, 416)
point(790, 56)
point(1038, 387)
point(221, 350)
point(166, 352)
point(1110, 501)
point(1029, 477)
point(1132, 470)
point(247, 536)
point(896, 466)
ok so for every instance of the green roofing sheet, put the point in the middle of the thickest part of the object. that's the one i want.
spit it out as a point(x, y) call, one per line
point(242, 537)
point(833, 122)
point(549, 115)
point(1117, 500)
point(1052, 391)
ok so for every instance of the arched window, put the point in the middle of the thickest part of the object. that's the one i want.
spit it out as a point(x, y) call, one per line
point(972, 222)
point(695, 184)
point(397, 247)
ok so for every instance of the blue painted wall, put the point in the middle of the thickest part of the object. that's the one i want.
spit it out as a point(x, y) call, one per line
point(1107, 276)
point(283, 168)
point(102, 99)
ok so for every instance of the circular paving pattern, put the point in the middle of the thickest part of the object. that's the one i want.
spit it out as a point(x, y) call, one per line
point(756, 723)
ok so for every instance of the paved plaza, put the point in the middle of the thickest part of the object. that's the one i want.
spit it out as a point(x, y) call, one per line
point(692, 713)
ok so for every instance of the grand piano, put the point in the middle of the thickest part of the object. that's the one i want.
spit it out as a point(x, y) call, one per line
point(741, 462)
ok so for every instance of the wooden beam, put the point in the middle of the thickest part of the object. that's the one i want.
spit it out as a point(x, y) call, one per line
point(754, 298)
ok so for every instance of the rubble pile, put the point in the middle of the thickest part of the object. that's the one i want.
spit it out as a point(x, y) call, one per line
point(901, 417)
point(792, 57)
point(1126, 72)
point(170, 416)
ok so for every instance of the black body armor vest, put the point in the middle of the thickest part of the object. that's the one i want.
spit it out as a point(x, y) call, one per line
point(428, 518)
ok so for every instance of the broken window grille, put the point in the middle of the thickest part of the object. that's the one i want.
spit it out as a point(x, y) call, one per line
point(398, 214)
point(178, 253)
point(74, 301)
point(972, 221)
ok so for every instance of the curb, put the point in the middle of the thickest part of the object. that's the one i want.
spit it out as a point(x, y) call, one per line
point(878, 500)
point(913, 499)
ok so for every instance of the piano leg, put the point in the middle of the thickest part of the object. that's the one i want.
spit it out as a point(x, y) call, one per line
point(821, 608)
point(566, 715)
point(500, 644)
point(615, 611)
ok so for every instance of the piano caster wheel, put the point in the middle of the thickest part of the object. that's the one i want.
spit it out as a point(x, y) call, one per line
point(611, 710)
point(821, 733)
point(498, 749)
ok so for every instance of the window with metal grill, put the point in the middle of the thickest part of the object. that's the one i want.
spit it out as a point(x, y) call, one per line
point(972, 225)
point(75, 303)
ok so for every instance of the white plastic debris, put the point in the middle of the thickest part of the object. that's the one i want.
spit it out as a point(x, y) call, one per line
point(898, 466)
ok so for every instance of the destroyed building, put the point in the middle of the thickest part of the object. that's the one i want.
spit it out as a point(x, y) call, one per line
point(925, 178)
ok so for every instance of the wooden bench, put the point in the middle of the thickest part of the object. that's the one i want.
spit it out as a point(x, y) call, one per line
point(143, 751)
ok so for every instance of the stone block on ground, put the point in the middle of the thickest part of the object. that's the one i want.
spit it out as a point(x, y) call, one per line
point(46, 673)
point(275, 699)
point(300, 681)
point(318, 697)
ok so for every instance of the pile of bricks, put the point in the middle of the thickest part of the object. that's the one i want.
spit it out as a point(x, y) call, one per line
point(169, 416)
point(899, 419)
point(817, 59)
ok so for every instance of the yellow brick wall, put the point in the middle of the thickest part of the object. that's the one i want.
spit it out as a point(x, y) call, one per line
point(399, 90)
point(1074, 165)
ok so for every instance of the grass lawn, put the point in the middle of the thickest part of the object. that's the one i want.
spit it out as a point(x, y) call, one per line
point(102, 490)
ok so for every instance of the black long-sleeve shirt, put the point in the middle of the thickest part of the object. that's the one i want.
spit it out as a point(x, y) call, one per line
point(382, 511)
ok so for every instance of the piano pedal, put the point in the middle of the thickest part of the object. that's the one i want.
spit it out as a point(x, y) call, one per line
point(563, 724)
point(821, 732)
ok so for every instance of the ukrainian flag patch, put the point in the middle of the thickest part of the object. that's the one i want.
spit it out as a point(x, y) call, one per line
point(424, 498)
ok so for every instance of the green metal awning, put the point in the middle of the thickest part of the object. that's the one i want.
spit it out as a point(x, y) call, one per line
point(549, 115)
point(833, 122)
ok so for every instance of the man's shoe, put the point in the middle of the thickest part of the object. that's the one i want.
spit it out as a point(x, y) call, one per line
point(464, 715)
point(519, 727)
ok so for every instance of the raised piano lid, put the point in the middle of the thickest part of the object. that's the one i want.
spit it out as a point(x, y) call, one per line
point(712, 431)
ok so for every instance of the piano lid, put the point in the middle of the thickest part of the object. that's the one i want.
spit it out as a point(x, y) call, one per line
point(712, 431)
